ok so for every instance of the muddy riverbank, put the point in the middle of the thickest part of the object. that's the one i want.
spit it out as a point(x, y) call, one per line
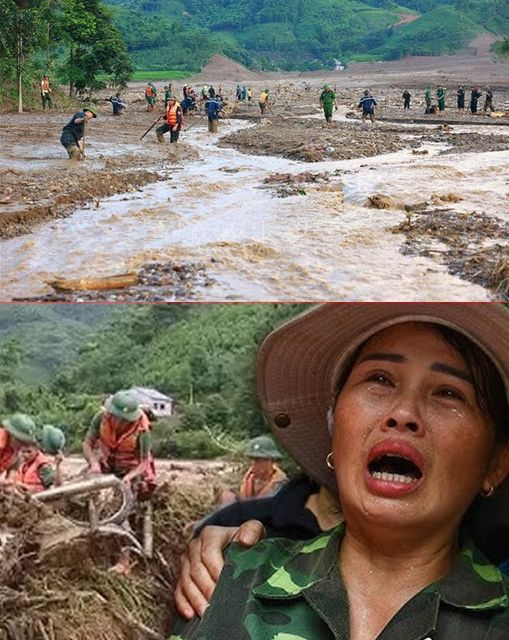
point(280, 208)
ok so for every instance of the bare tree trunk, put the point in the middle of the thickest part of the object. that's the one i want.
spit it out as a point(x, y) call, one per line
point(19, 72)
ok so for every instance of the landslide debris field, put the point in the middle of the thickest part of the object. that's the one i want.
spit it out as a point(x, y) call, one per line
point(56, 581)
point(199, 228)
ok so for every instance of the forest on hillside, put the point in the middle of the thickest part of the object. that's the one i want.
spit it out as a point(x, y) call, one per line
point(59, 362)
point(299, 34)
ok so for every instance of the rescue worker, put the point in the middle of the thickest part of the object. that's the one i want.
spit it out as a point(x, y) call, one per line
point(52, 441)
point(460, 98)
point(238, 92)
point(407, 96)
point(35, 472)
point(167, 94)
point(441, 98)
point(14, 432)
point(328, 102)
point(117, 104)
point(244, 93)
point(173, 122)
point(45, 93)
point(74, 131)
point(264, 476)
point(263, 101)
point(212, 92)
point(475, 94)
point(427, 99)
point(488, 100)
point(119, 442)
point(188, 104)
point(214, 109)
point(368, 104)
point(150, 96)
point(249, 95)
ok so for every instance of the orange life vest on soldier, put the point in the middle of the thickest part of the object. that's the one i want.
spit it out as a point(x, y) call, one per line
point(149, 92)
point(121, 450)
point(28, 473)
point(7, 453)
point(171, 115)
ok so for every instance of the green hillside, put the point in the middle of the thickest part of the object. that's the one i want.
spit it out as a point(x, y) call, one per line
point(298, 34)
point(201, 355)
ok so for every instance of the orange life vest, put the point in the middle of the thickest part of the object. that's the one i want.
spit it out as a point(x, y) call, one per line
point(28, 473)
point(120, 451)
point(149, 92)
point(249, 488)
point(7, 453)
point(171, 115)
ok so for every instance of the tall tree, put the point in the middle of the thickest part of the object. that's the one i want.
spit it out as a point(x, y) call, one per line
point(21, 34)
point(94, 46)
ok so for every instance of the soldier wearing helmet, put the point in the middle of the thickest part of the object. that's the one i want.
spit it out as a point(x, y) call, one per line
point(263, 476)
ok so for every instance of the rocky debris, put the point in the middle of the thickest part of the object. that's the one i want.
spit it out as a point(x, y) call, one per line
point(289, 184)
point(155, 282)
point(440, 198)
point(471, 252)
point(379, 201)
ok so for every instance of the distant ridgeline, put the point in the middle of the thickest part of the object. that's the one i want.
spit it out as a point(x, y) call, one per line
point(299, 34)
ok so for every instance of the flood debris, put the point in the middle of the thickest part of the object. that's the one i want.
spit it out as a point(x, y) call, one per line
point(289, 184)
point(66, 591)
point(472, 245)
point(153, 282)
point(379, 201)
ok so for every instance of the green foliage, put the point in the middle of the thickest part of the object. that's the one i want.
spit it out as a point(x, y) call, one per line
point(203, 356)
point(298, 34)
point(440, 31)
point(93, 44)
point(503, 47)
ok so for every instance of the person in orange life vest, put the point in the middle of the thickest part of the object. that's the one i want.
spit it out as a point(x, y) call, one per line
point(14, 432)
point(263, 476)
point(45, 93)
point(173, 122)
point(150, 96)
point(118, 441)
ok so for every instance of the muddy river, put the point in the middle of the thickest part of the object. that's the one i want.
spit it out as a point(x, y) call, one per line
point(321, 243)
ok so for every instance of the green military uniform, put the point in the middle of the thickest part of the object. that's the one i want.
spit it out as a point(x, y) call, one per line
point(327, 100)
point(441, 98)
point(427, 99)
point(283, 590)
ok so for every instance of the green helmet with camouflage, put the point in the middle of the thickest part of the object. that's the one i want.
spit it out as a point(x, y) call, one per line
point(21, 427)
point(51, 439)
point(262, 447)
point(124, 405)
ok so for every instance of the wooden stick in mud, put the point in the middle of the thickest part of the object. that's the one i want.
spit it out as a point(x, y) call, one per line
point(84, 134)
point(151, 127)
point(192, 125)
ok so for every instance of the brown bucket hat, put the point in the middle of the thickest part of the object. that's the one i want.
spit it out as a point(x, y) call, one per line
point(299, 364)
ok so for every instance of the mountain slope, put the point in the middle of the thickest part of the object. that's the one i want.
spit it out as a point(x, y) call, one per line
point(299, 34)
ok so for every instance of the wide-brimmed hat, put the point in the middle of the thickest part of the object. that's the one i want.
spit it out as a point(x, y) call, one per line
point(21, 427)
point(299, 365)
point(124, 405)
point(92, 111)
point(262, 447)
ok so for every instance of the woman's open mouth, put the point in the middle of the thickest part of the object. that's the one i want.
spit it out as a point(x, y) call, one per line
point(394, 469)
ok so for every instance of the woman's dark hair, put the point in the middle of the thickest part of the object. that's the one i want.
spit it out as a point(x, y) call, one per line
point(489, 387)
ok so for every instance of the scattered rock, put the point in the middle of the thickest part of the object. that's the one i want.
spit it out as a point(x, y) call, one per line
point(379, 201)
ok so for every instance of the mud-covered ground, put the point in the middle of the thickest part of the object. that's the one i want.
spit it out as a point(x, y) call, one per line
point(38, 182)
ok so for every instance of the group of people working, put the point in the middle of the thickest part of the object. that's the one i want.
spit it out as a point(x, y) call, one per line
point(475, 95)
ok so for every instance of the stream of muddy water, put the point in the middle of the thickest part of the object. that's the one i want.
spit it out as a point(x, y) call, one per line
point(323, 244)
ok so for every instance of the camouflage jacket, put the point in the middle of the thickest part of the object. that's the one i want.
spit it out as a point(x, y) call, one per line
point(285, 590)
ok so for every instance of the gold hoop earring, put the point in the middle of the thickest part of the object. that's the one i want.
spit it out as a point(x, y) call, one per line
point(329, 460)
point(489, 493)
